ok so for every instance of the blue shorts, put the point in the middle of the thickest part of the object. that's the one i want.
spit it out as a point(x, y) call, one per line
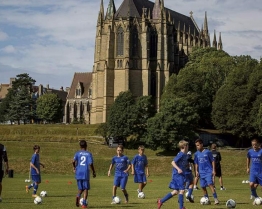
point(140, 178)
point(256, 178)
point(178, 182)
point(206, 179)
point(189, 178)
point(36, 178)
point(120, 181)
point(83, 184)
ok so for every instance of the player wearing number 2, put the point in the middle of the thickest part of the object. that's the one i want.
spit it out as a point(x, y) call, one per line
point(81, 163)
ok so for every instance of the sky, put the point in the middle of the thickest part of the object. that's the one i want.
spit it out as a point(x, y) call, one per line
point(52, 39)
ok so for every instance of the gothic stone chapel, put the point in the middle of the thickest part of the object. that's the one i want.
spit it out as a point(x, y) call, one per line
point(137, 48)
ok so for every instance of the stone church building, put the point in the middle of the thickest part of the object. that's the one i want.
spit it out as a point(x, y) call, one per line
point(138, 47)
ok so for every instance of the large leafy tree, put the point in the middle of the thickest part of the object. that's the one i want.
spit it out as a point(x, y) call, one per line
point(121, 115)
point(49, 108)
point(198, 82)
point(19, 100)
point(234, 101)
point(176, 121)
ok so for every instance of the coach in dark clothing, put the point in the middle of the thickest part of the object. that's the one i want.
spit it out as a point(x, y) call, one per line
point(217, 159)
point(3, 157)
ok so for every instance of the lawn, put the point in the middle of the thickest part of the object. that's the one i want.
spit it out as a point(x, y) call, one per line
point(62, 190)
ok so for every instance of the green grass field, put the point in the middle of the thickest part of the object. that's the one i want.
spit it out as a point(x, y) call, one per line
point(58, 175)
point(62, 190)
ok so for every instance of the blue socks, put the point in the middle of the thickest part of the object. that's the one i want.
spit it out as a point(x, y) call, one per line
point(167, 197)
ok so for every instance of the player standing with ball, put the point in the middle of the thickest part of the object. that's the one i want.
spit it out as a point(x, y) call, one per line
point(254, 167)
point(205, 169)
point(122, 166)
point(81, 163)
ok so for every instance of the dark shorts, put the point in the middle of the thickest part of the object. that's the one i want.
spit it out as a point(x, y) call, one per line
point(36, 178)
point(218, 172)
point(83, 185)
point(1, 175)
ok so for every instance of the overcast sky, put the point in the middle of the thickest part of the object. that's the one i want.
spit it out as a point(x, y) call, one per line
point(52, 39)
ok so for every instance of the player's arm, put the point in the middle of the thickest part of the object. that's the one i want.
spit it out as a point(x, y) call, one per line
point(147, 170)
point(132, 169)
point(128, 168)
point(214, 168)
point(42, 165)
point(109, 170)
point(248, 164)
point(93, 170)
point(74, 163)
point(176, 167)
point(33, 166)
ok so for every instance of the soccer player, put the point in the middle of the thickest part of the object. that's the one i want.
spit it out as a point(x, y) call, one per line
point(205, 169)
point(189, 177)
point(217, 158)
point(180, 164)
point(139, 165)
point(254, 167)
point(3, 156)
point(122, 166)
point(81, 163)
point(35, 171)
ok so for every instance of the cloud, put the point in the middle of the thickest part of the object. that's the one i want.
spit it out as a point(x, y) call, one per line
point(51, 40)
point(3, 36)
point(9, 49)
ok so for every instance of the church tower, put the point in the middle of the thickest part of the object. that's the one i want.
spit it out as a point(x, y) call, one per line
point(137, 48)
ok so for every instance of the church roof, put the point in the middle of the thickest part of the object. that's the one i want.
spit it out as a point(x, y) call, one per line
point(85, 80)
point(134, 8)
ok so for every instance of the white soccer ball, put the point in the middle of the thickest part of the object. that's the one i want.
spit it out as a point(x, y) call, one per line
point(247, 181)
point(231, 203)
point(81, 201)
point(192, 196)
point(38, 200)
point(43, 193)
point(141, 195)
point(258, 201)
point(243, 181)
point(117, 200)
point(204, 201)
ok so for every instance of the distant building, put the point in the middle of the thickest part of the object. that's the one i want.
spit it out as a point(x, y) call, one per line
point(78, 103)
point(137, 48)
point(4, 89)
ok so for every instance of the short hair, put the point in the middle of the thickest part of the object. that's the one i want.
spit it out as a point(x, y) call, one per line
point(141, 147)
point(182, 144)
point(83, 143)
point(254, 140)
point(36, 147)
point(213, 146)
point(120, 146)
point(200, 141)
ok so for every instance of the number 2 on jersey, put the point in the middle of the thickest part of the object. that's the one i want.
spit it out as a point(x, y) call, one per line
point(83, 161)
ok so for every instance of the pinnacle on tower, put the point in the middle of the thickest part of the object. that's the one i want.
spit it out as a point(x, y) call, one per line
point(101, 14)
point(214, 40)
point(156, 13)
point(111, 10)
point(205, 29)
point(220, 45)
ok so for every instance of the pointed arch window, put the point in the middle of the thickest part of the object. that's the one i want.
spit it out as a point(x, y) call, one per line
point(120, 42)
point(153, 44)
point(134, 42)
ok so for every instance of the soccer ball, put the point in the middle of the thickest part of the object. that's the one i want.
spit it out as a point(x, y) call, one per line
point(231, 203)
point(38, 200)
point(192, 196)
point(204, 201)
point(43, 193)
point(141, 195)
point(258, 201)
point(117, 200)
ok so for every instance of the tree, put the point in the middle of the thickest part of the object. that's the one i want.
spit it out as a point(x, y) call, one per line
point(199, 80)
point(176, 121)
point(121, 115)
point(19, 100)
point(235, 99)
point(143, 110)
point(102, 130)
point(49, 108)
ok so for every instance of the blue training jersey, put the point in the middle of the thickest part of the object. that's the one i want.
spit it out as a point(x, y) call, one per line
point(204, 161)
point(256, 160)
point(35, 160)
point(181, 161)
point(121, 164)
point(84, 160)
point(139, 162)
